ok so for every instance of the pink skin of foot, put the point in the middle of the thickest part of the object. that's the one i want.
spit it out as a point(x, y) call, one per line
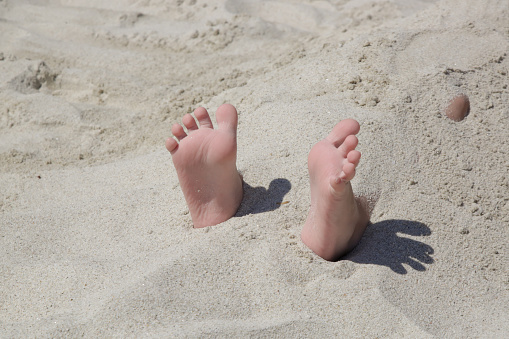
point(336, 219)
point(205, 160)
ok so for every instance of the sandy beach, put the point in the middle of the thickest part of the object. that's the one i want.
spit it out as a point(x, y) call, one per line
point(96, 239)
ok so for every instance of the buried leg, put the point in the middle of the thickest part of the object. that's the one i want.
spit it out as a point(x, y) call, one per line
point(336, 219)
point(205, 160)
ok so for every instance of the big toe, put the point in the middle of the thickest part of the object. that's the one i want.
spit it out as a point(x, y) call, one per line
point(342, 130)
point(226, 116)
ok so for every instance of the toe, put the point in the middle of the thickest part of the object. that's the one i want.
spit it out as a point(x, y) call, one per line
point(203, 117)
point(348, 145)
point(354, 157)
point(227, 118)
point(171, 145)
point(348, 172)
point(189, 122)
point(342, 130)
point(178, 131)
point(337, 182)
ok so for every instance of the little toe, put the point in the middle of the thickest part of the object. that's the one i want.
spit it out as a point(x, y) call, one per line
point(227, 117)
point(203, 117)
point(189, 122)
point(171, 145)
point(178, 131)
point(342, 130)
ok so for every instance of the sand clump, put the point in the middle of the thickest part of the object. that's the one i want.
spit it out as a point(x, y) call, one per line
point(458, 108)
point(95, 235)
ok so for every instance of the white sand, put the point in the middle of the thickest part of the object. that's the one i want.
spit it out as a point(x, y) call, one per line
point(95, 236)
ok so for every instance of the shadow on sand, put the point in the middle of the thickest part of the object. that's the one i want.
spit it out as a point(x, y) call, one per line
point(259, 199)
point(383, 244)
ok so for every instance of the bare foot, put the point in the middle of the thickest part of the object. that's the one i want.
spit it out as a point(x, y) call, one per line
point(205, 160)
point(336, 219)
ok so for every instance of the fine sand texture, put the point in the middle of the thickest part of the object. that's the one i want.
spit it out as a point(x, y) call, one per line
point(96, 239)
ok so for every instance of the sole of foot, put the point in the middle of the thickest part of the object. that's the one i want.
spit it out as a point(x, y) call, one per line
point(205, 161)
point(336, 219)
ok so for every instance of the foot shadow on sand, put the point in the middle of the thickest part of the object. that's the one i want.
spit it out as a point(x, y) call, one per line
point(383, 245)
point(260, 199)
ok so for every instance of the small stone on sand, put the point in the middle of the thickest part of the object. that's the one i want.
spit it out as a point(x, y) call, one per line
point(458, 108)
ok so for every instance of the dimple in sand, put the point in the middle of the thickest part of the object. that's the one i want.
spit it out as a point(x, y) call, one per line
point(205, 160)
